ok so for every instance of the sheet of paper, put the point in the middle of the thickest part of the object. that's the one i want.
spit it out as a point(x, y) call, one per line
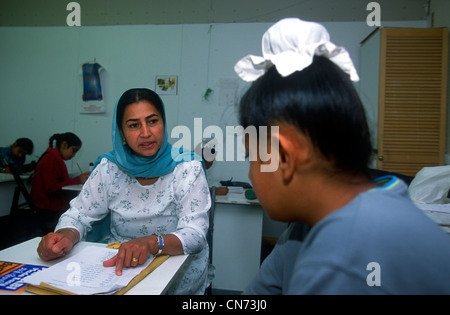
point(84, 273)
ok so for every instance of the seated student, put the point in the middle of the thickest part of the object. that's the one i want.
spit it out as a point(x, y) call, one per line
point(51, 176)
point(15, 153)
point(366, 237)
point(157, 196)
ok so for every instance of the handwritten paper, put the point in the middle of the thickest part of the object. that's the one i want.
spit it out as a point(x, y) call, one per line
point(84, 273)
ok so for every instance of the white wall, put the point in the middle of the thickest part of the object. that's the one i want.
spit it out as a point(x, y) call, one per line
point(40, 80)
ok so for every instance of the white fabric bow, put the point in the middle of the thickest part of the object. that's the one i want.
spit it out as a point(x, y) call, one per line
point(290, 45)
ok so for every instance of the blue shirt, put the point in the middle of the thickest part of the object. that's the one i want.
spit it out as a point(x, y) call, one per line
point(6, 154)
point(379, 243)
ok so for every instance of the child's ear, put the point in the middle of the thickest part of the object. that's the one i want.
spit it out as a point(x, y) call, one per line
point(294, 153)
point(286, 159)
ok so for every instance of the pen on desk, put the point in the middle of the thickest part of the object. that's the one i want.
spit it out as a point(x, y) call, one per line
point(81, 171)
point(4, 167)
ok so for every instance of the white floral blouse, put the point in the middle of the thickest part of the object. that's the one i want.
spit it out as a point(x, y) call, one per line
point(177, 203)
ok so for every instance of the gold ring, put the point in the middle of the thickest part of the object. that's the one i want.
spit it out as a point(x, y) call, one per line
point(135, 259)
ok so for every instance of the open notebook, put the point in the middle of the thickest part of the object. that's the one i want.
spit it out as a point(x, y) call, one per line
point(84, 274)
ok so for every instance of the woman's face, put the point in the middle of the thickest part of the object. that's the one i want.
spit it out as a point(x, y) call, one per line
point(143, 128)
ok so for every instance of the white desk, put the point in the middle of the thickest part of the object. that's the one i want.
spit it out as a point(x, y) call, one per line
point(157, 282)
point(236, 199)
point(7, 177)
point(237, 239)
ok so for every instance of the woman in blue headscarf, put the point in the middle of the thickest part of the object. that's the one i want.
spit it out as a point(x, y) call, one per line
point(157, 196)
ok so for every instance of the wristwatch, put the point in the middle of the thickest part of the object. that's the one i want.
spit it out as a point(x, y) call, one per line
point(160, 244)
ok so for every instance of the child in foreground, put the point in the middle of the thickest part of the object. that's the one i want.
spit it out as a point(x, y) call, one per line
point(365, 237)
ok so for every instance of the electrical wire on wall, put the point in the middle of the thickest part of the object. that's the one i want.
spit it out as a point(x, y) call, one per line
point(209, 90)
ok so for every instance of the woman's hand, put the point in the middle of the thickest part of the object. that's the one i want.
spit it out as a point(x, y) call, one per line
point(55, 245)
point(133, 253)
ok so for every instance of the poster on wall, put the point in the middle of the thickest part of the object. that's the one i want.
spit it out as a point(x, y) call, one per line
point(166, 84)
point(92, 98)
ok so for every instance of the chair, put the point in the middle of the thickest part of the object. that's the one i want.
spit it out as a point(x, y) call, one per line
point(375, 173)
point(22, 223)
point(21, 189)
point(209, 236)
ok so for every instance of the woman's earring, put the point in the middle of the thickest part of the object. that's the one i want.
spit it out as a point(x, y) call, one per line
point(124, 142)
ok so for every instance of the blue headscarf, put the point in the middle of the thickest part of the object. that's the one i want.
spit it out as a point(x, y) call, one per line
point(162, 163)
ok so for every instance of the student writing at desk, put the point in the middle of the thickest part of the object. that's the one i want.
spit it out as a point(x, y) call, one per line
point(51, 175)
point(366, 237)
point(157, 196)
point(15, 153)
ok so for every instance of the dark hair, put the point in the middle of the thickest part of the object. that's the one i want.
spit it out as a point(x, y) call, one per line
point(71, 138)
point(136, 95)
point(320, 101)
point(25, 144)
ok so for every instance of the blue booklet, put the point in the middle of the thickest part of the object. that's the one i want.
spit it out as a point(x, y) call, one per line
point(11, 275)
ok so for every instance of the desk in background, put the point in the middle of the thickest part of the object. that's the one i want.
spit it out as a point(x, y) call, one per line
point(157, 282)
point(7, 186)
point(238, 226)
point(6, 177)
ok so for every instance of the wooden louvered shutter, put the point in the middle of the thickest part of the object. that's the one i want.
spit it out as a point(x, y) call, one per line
point(412, 99)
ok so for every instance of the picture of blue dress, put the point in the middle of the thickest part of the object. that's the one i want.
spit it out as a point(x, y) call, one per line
point(92, 90)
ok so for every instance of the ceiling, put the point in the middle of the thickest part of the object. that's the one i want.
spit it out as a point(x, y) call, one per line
point(130, 12)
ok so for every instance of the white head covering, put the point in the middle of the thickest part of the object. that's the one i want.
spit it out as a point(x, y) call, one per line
point(291, 45)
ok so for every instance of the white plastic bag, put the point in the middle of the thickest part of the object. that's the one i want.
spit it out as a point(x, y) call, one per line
point(431, 185)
